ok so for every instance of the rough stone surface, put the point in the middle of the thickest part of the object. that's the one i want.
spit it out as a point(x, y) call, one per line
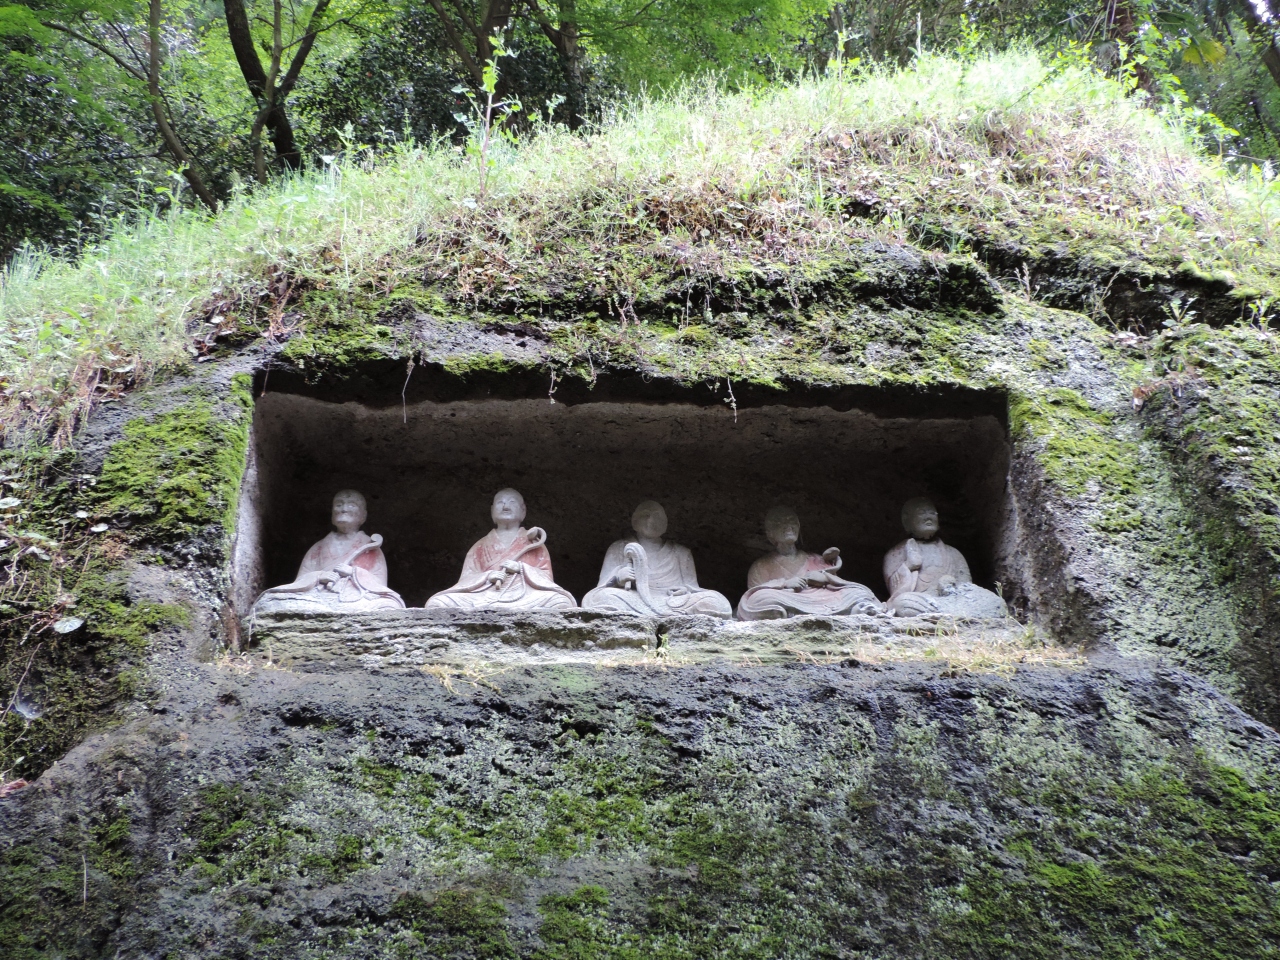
point(644, 810)
point(414, 638)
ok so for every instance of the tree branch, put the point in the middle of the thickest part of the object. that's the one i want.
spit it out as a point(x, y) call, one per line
point(455, 40)
point(167, 133)
point(467, 21)
point(304, 48)
point(241, 36)
point(96, 45)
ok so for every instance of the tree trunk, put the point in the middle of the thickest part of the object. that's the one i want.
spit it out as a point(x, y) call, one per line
point(277, 121)
point(167, 133)
point(567, 40)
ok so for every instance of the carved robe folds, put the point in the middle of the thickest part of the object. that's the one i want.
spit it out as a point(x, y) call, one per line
point(791, 582)
point(512, 576)
point(769, 597)
point(925, 576)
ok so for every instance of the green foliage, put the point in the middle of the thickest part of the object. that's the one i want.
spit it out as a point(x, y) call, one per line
point(660, 43)
point(699, 188)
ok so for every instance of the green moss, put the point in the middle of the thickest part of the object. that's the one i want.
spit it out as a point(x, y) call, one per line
point(575, 927)
point(333, 866)
point(76, 679)
point(461, 364)
point(179, 472)
point(342, 330)
point(1079, 448)
point(379, 780)
point(236, 830)
point(1175, 872)
point(463, 923)
point(62, 892)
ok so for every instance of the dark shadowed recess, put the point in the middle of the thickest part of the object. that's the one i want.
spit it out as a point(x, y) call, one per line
point(845, 458)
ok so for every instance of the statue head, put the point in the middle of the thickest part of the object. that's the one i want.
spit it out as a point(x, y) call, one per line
point(920, 518)
point(349, 511)
point(649, 520)
point(782, 527)
point(508, 509)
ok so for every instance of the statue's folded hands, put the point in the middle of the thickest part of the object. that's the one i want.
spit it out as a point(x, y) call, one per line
point(925, 575)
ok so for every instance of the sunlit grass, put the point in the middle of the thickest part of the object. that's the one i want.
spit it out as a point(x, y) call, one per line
point(997, 150)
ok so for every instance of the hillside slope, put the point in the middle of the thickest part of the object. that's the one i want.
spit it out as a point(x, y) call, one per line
point(998, 234)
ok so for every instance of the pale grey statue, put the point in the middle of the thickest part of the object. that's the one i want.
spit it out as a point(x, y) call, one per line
point(790, 582)
point(924, 575)
point(648, 575)
point(345, 572)
point(508, 569)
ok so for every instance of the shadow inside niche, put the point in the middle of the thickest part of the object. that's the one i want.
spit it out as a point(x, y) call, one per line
point(429, 471)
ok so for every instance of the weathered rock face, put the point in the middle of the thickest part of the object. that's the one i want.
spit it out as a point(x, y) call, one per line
point(716, 809)
point(397, 786)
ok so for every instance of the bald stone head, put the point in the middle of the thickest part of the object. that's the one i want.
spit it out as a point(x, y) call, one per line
point(920, 518)
point(349, 511)
point(649, 520)
point(782, 527)
point(508, 509)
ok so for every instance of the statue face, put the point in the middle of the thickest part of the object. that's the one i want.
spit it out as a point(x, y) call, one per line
point(508, 508)
point(349, 511)
point(649, 520)
point(922, 522)
point(783, 529)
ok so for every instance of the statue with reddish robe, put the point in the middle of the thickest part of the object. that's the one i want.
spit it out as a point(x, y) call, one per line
point(791, 582)
point(508, 569)
point(345, 572)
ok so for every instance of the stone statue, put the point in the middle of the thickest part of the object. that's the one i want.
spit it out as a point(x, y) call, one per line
point(345, 571)
point(924, 575)
point(508, 569)
point(649, 575)
point(791, 583)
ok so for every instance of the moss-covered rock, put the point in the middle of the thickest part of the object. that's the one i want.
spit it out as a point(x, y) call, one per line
point(800, 811)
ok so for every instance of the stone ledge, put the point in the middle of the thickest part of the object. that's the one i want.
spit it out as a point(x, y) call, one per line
point(416, 638)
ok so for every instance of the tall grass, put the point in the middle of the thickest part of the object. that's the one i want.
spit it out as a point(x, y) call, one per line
point(1001, 149)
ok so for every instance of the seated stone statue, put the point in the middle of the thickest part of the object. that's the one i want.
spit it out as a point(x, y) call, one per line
point(649, 575)
point(345, 571)
point(924, 575)
point(509, 569)
point(790, 582)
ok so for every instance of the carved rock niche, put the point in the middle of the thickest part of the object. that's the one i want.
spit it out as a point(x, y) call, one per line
point(846, 460)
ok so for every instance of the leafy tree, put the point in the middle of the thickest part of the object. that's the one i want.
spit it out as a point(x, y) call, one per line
point(644, 41)
point(287, 35)
point(68, 158)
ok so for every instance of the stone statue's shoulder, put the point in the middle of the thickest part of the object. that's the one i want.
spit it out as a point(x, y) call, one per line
point(678, 550)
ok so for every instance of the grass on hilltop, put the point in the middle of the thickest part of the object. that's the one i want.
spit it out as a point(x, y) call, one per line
point(948, 153)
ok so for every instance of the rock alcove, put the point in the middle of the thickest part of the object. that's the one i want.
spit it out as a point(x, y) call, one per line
point(430, 462)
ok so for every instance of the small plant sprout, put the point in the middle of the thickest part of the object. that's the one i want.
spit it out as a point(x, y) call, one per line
point(488, 115)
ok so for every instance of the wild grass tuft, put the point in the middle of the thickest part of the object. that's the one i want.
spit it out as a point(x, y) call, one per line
point(948, 153)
